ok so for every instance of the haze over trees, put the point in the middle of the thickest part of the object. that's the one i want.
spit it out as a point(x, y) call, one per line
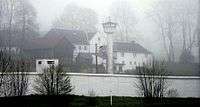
point(77, 18)
point(18, 16)
point(176, 23)
point(123, 13)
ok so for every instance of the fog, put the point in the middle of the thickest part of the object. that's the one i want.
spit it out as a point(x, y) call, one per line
point(151, 48)
point(49, 10)
point(167, 29)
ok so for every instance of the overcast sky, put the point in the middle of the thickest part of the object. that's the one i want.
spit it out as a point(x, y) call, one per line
point(48, 10)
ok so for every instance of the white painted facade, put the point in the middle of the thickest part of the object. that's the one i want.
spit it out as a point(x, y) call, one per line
point(123, 85)
point(42, 64)
point(100, 39)
point(131, 60)
point(80, 49)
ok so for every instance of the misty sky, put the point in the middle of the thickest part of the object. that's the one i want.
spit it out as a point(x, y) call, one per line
point(48, 10)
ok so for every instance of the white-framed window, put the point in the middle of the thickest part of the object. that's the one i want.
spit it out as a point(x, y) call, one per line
point(134, 54)
point(130, 62)
point(122, 54)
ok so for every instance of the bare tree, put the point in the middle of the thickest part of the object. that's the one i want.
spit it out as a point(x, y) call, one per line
point(77, 18)
point(123, 13)
point(175, 21)
point(26, 20)
point(20, 16)
point(53, 81)
point(4, 65)
point(151, 80)
point(14, 81)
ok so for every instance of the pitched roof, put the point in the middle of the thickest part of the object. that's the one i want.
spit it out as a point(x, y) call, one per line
point(44, 42)
point(129, 47)
point(85, 55)
point(74, 36)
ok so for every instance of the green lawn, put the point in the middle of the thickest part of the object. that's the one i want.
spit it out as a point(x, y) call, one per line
point(81, 101)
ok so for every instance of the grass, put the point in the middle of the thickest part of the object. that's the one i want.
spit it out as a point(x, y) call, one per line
point(82, 101)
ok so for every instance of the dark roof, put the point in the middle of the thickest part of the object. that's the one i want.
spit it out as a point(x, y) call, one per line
point(44, 42)
point(74, 36)
point(129, 47)
point(90, 35)
point(85, 55)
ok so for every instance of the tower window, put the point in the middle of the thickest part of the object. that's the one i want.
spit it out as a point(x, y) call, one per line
point(39, 62)
point(50, 62)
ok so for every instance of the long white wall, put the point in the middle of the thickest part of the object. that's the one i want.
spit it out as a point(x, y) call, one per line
point(124, 85)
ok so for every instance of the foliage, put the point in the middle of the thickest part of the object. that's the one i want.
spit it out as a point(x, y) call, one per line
point(53, 81)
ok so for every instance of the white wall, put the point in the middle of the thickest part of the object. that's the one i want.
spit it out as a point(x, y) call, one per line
point(82, 50)
point(44, 64)
point(99, 39)
point(123, 85)
point(136, 60)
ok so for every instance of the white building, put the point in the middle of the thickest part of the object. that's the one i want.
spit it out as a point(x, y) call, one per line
point(127, 56)
point(42, 64)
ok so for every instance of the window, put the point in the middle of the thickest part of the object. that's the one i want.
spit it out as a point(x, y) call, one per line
point(99, 38)
point(123, 62)
point(135, 63)
point(130, 63)
point(79, 47)
point(122, 54)
point(50, 62)
point(134, 54)
point(39, 62)
point(85, 47)
point(146, 55)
